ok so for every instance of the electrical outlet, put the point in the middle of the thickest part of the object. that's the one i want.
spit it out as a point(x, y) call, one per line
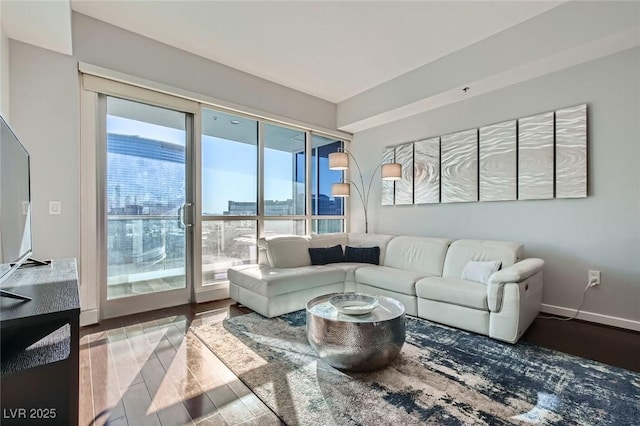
point(594, 278)
point(55, 207)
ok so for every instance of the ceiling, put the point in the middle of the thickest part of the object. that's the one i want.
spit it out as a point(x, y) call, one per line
point(331, 50)
point(45, 24)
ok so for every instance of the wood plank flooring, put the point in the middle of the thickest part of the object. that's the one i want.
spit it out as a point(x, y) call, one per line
point(609, 345)
point(150, 369)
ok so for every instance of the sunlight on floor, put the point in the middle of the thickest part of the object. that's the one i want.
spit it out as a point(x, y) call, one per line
point(543, 412)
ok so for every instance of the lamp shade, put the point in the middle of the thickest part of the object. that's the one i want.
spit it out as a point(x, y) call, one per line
point(341, 189)
point(338, 161)
point(392, 171)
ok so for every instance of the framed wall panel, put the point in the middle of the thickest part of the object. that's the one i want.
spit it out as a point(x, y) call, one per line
point(404, 186)
point(571, 152)
point(388, 156)
point(459, 169)
point(535, 157)
point(426, 171)
point(498, 162)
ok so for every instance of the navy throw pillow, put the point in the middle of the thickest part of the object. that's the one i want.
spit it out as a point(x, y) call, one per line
point(362, 255)
point(322, 256)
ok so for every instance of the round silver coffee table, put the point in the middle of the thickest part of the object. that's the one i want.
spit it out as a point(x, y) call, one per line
point(356, 342)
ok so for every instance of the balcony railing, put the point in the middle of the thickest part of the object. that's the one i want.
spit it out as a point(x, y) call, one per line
point(147, 253)
point(148, 248)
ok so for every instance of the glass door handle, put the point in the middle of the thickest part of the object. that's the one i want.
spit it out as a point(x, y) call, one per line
point(182, 210)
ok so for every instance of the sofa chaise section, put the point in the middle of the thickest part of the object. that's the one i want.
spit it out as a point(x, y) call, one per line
point(285, 280)
point(276, 291)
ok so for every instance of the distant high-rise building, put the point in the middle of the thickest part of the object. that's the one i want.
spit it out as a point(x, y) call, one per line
point(135, 165)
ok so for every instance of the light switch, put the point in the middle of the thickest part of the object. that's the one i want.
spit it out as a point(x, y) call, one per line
point(55, 207)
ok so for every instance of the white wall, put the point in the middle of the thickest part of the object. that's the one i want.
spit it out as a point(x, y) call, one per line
point(4, 70)
point(45, 113)
point(600, 232)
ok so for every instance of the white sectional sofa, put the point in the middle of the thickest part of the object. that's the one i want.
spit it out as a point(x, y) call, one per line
point(425, 274)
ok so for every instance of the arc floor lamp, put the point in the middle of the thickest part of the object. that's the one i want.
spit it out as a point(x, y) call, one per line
point(340, 161)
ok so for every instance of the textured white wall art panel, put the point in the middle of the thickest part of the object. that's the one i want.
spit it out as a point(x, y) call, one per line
point(498, 162)
point(388, 156)
point(460, 166)
point(404, 186)
point(426, 172)
point(535, 157)
point(571, 152)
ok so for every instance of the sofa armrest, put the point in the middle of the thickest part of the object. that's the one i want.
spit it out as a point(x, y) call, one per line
point(515, 273)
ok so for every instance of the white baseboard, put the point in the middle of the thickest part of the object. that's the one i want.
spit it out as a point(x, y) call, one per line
point(592, 317)
point(88, 317)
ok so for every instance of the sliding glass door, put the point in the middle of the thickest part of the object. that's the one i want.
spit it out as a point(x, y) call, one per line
point(147, 206)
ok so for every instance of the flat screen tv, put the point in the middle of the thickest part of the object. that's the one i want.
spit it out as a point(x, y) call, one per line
point(15, 205)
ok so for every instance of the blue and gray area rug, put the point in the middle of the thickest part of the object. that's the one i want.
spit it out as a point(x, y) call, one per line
point(443, 376)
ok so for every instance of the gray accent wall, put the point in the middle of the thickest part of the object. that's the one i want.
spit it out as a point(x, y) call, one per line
point(601, 231)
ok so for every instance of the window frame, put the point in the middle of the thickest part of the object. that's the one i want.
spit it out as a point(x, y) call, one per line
point(261, 217)
point(95, 81)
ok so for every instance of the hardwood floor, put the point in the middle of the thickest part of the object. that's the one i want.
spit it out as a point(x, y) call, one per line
point(150, 369)
point(609, 345)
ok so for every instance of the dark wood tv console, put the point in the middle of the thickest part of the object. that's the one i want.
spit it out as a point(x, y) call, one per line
point(39, 347)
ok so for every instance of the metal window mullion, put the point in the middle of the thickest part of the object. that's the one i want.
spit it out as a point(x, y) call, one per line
point(308, 146)
point(101, 202)
point(289, 217)
point(294, 175)
point(228, 217)
point(89, 261)
point(195, 194)
point(260, 180)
